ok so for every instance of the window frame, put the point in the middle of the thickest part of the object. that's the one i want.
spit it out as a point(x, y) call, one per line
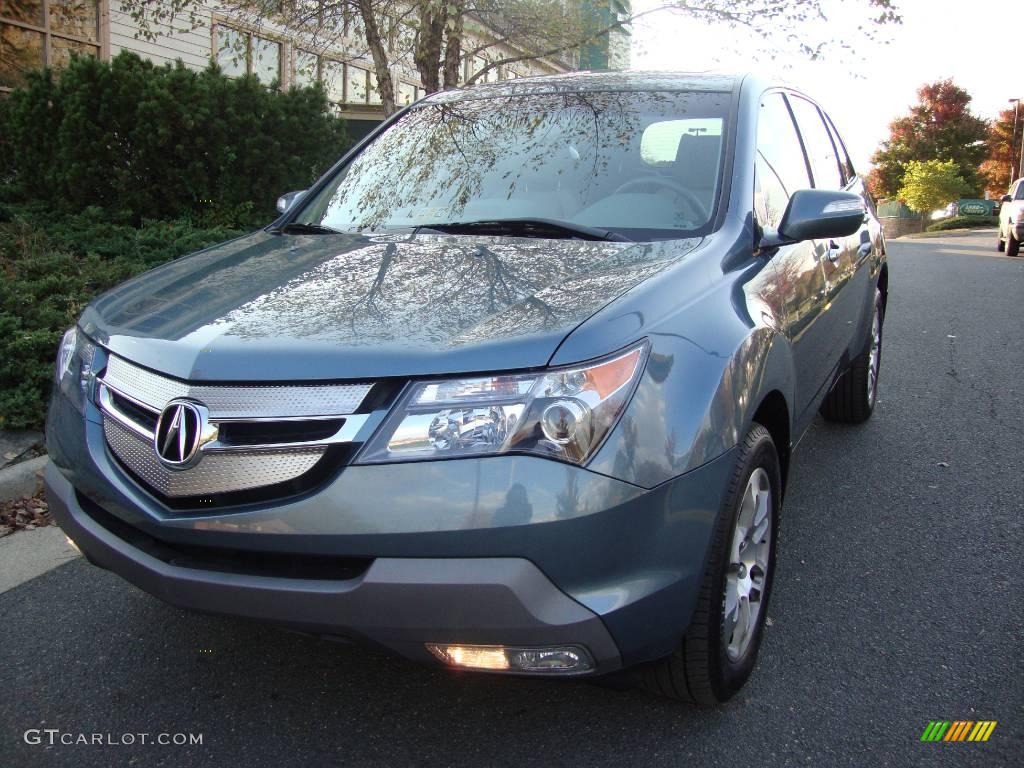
point(101, 43)
point(847, 167)
point(283, 47)
point(790, 95)
point(783, 96)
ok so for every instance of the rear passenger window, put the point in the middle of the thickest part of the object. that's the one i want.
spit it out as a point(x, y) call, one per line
point(780, 168)
point(820, 151)
point(849, 172)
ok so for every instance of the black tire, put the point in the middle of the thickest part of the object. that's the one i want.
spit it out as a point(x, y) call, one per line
point(700, 671)
point(1000, 243)
point(1012, 244)
point(850, 401)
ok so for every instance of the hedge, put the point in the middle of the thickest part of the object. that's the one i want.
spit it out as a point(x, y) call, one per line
point(964, 222)
point(114, 168)
point(141, 141)
point(52, 269)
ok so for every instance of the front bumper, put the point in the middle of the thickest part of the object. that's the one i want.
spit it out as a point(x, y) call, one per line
point(398, 602)
point(512, 550)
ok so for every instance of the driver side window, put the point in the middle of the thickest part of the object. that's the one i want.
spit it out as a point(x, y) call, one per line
point(780, 168)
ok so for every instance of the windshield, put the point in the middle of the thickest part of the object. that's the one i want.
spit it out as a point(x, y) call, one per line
point(641, 164)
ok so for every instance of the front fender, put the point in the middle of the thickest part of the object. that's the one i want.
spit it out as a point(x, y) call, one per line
point(711, 366)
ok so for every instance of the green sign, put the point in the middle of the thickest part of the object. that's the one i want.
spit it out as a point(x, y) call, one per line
point(975, 207)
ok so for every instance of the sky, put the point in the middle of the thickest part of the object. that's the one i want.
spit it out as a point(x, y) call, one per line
point(866, 88)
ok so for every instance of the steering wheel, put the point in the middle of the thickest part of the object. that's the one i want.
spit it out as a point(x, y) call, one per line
point(694, 203)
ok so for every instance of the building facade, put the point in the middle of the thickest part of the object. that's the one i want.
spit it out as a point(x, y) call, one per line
point(609, 50)
point(37, 33)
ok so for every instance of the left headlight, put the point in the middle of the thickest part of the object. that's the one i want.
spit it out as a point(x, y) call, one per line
point(562, 413)
point(74, 371)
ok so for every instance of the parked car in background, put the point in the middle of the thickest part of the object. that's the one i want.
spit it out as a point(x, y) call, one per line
point(1011, 220)
point(513, 388)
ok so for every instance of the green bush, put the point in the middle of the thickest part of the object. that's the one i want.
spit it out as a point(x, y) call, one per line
point(52, 269)
point(964, 222)
point(142, 141)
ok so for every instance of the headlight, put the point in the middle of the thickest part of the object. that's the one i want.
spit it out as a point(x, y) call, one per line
point(563, 413)
point(74, 372)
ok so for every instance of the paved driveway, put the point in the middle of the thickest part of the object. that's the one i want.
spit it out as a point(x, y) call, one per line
point(898, 601)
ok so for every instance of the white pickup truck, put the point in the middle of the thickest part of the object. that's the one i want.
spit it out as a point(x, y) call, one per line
point(1011, 219)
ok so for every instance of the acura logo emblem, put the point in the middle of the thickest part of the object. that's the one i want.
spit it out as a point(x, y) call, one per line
point(183, 428)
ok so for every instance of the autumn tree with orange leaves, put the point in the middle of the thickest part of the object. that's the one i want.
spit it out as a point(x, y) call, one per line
point(1000, 169)
point(940, 126)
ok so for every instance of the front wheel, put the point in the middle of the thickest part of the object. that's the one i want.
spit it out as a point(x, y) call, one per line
point(1000, 242)
point(852, 399)
point(718, 653)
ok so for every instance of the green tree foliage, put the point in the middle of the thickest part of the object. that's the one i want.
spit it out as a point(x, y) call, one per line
point(142, 141)
point(1004, 144)
point(939, 127)
point(931, 184)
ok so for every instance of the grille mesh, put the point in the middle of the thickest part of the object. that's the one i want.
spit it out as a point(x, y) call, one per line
point(227, 401)
point(217, 473)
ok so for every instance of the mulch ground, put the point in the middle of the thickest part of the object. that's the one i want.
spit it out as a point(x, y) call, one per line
point(24, 515)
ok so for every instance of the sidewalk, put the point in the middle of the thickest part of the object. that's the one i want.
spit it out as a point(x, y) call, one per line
point(27, 554)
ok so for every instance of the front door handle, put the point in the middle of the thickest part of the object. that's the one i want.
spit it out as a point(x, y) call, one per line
point(865, 250)
point(833, 251)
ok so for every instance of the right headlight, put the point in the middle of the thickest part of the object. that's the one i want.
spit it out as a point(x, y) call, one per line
point(74, 371)
point(562, 413)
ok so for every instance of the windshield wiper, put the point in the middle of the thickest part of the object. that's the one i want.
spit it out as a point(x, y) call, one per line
point(525, 227)
point(301, 228)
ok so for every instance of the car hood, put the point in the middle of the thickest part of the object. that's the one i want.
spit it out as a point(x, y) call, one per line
point(275, 307)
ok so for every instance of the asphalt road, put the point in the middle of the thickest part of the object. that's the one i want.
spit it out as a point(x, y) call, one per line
point(898, 601)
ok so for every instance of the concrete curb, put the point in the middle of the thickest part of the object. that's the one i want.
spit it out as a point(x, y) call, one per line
point(21, 480)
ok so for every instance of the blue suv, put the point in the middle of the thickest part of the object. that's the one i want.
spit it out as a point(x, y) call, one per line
point(512, 388)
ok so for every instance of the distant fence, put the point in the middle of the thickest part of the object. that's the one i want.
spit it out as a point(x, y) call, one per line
point(897, 219)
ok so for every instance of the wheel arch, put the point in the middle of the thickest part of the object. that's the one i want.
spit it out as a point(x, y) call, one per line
point(773, 414)
point(883, 286)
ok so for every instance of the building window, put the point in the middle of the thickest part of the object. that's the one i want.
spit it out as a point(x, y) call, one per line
point(41, 33)
point(343, 83)
point(407, 93)
point(307, 69)
point(356, 85)
point(240, 53)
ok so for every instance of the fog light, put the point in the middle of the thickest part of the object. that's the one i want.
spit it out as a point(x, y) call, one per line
point(566, 659)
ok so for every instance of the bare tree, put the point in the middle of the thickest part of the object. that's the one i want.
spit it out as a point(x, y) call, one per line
point(439, 36)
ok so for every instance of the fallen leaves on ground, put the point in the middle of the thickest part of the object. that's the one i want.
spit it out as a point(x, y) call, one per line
point(24, 514)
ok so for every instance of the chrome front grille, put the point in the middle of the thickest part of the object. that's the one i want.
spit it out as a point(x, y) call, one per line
point(226, 472)
point(132, 400)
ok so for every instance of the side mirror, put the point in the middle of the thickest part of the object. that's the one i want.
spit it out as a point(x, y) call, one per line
point(287, 200)
point(1005, 199)
point(815, 214)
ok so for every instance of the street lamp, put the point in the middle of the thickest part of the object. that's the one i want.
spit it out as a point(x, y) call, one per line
point(1013, 143)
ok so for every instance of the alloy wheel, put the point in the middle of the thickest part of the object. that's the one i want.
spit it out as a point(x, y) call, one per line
point(747, 574)
point(874, 357)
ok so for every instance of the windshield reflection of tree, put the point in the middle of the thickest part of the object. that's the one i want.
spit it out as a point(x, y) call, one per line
point(449, 290)
point(446, 160)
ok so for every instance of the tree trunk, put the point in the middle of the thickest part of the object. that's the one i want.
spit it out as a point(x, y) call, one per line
point(453, 43)
point(427, 54)
point(381, 65)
